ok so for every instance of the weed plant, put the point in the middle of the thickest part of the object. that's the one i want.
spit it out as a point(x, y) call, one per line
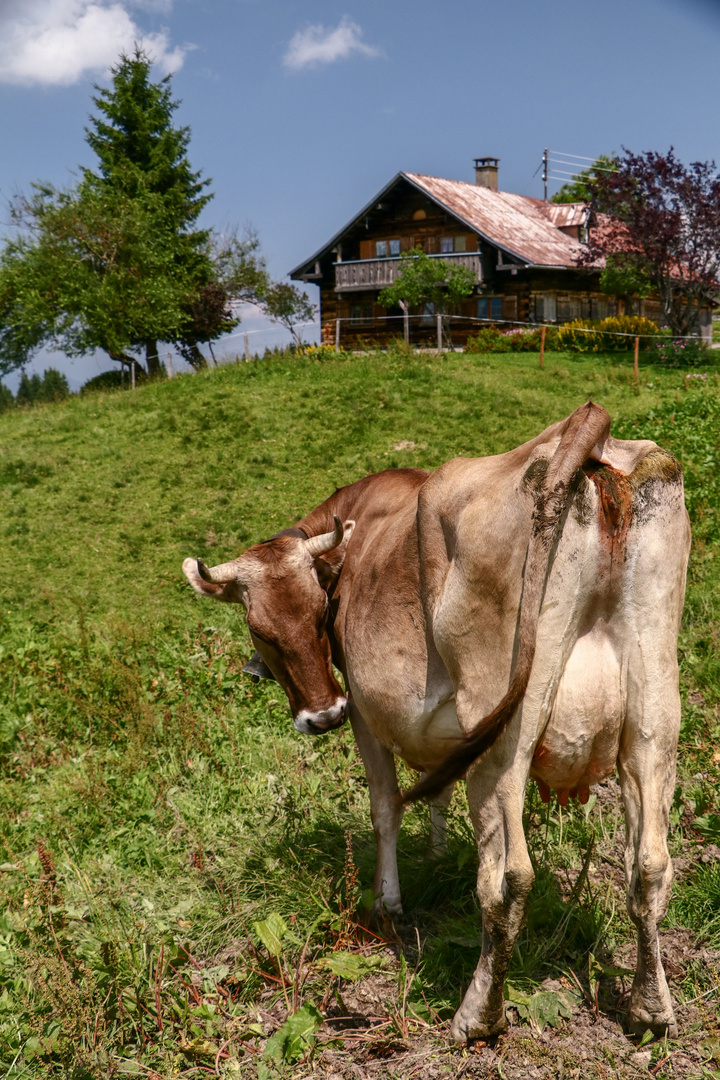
point(179, 870)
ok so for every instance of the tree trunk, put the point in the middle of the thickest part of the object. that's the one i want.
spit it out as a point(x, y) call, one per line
point(152, 358)
point(195, 357)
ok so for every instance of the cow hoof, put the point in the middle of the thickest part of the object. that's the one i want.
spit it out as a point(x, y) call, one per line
point(651, 1010)
point(463, 1030)
point(383, 917)
point(639, 1022)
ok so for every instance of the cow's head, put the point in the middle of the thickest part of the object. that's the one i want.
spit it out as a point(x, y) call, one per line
point(282, 585)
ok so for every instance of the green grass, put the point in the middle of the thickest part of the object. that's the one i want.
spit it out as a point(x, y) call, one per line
point(155, 804)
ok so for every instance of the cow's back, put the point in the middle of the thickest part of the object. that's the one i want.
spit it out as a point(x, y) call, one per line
point(620, 559)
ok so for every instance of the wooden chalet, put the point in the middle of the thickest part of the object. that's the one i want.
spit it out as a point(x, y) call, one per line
point(522, 251)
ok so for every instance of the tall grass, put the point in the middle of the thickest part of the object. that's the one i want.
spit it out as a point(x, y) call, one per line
point(155, 805)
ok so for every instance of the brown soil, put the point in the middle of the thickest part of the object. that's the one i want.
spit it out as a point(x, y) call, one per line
point(365, 1036)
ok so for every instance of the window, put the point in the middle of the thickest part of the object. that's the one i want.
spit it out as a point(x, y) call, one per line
point(361, 313)
point(428, 315)
point(449, 244)
point(545, 308)
point(383, 248)
point(490, 307)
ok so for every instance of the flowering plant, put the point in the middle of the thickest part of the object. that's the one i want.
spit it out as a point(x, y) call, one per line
point(491, 339)
point(680, 352)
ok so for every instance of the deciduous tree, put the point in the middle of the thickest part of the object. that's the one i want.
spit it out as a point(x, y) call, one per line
point(423, 280)
point(657, 223)
point(576, 190)
point(118, 262)
point(239, 274)
point(287, 305)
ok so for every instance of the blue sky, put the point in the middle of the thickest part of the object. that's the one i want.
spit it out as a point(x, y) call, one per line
point(301, 111)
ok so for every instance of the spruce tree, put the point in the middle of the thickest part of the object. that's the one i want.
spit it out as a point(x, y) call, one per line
point(118, 261)
point(142, 156)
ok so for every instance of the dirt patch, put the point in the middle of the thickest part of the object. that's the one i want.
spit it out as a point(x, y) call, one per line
point(371, 1034)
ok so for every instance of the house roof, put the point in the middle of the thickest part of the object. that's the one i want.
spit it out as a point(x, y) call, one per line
point(520, 225)
point(526, 229)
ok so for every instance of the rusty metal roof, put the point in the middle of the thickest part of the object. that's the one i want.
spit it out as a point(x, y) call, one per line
point(522, 227)
point(518, 224)
point(565, 215)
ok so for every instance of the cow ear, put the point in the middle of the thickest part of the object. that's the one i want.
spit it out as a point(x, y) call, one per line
point(330, 563)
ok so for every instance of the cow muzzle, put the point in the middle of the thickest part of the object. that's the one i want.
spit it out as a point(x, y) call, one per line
point(317, 723)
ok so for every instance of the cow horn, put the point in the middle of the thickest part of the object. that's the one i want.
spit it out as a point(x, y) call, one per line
point(316, 545)
point(218, 575)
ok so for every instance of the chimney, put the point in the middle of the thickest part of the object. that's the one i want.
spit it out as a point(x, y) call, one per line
point(486, 172)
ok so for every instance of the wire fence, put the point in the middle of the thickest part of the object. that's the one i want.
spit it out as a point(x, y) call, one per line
point(432, 321)
point(423, 331)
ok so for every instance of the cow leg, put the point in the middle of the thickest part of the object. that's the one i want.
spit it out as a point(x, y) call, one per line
point(386, 812)
point(438, 824)
point(505, 877)
point(647, 777)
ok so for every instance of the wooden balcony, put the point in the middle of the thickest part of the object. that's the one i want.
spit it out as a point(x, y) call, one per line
point(377, 273)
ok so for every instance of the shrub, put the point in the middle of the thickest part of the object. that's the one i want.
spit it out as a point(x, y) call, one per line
point(490, 339)
point(680, 352)
point(321, 352)
point(614, 334)
point(106, 380)
point(6, 397)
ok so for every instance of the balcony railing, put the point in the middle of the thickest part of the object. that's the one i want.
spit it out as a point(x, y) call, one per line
point(377, 273)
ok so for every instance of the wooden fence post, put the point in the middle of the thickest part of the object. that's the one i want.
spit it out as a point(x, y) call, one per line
point(132, 374)
point(637, 351)
point(337, 335)
point(168, 365)
point(247, 347)
point(439, 333)
point(406, 320)
point(542, 345)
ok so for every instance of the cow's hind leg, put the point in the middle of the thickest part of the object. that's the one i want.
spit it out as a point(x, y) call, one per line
point(505, 877)
point(385, 810)
point(438, 822)
point(647, 776)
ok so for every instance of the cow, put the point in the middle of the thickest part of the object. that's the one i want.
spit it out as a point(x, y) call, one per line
point(501, 618)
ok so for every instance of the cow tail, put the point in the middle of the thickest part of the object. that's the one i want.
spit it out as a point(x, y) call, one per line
point(586, 428)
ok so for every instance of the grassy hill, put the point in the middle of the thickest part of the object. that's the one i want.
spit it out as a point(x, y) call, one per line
point(156, 807)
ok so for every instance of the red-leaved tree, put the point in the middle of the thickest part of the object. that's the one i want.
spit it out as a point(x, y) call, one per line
point(657, 225)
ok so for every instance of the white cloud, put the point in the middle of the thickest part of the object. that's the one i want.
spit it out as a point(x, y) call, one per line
point(58, 42)
point(317, 45)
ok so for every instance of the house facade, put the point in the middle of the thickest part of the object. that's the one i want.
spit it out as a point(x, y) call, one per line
point(522, 251)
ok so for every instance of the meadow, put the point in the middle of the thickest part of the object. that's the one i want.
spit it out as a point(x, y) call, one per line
point(183, 878)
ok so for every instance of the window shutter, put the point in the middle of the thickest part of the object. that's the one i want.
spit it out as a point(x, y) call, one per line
point(509, 307)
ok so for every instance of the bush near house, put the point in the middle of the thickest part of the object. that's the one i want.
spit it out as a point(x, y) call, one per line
point(490, 339)
point(617, 333)
point(680, 352)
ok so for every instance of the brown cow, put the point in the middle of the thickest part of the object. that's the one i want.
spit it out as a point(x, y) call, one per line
point(523, 607)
